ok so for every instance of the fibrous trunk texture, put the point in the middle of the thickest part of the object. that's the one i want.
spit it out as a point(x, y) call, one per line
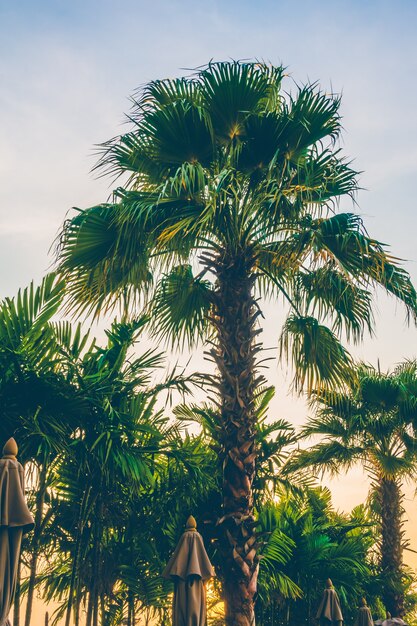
point(391, 545)
point(234, 353)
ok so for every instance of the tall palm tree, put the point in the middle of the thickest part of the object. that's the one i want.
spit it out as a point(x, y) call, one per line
point(371, 424)
point(230, 190)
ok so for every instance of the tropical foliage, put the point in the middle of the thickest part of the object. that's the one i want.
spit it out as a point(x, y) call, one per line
point(94, 443)
point(112, 478)
point(319, 543)
point(374, 423)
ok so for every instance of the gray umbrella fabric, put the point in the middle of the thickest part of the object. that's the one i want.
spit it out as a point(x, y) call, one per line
point(329, 612)
point(15, 519)
point(364, 617)
point(189, 568)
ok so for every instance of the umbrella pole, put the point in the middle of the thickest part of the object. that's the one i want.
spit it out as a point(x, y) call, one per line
point(16, 603)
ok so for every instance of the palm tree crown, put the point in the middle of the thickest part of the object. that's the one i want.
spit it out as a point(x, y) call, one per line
point(225, 164)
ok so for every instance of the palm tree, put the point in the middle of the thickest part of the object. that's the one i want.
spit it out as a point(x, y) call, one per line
point(230, 192)
point(371, 424)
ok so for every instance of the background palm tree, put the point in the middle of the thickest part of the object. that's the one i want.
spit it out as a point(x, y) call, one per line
point(319, 543)
point(230, 191)
point(371, 423)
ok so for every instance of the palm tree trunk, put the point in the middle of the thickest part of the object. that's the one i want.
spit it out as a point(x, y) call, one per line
point(97, 569)
point(130, 608)
point(77, 608)
point(35, 544)
point(75, 583)
point(235, 352)
point(89, 608)
point(102, 610)
point(391, 545)
point(95, 581)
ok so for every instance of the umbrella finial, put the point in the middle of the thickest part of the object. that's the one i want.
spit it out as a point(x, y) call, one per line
point(10, 449)
point(363, 601)
point(191, 523)
point(329, 583)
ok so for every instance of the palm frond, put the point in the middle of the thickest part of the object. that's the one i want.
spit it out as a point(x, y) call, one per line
point(181, 305)
point(318, 358)
point(332, 294)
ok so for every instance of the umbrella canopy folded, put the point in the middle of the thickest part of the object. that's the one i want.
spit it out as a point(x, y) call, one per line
point(364, 617)
point(329, 611)
point(15, 519)
point(189, 567)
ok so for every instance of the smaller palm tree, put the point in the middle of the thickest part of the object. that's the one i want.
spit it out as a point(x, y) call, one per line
point(371, 423)
point(119, 448)
point(307, 542)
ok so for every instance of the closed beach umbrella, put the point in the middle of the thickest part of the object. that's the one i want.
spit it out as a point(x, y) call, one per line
point(189, 568)
point(15, 519)
point(329, 612)
point(364, 617)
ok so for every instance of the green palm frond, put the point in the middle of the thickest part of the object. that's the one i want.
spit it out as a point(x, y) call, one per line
point(312, 116)
point(324, 177)
point(160, 93)
point(181, 306)
point(380, 392)
point(339, 404)
point(163, 127)
point(276, 552)
point(231, 91)
point(317, 357)
point(343, 236)
point(330, 456)
point(331, 294)
point(326, 423)
point(72, 340)
point(25, 317)
point(93, 242)
point(391, 465)
point(149, 587)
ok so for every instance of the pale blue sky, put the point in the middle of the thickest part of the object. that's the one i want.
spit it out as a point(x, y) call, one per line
point(67, 69)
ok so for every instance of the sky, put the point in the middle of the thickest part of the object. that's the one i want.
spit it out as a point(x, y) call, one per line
point(67, 69)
